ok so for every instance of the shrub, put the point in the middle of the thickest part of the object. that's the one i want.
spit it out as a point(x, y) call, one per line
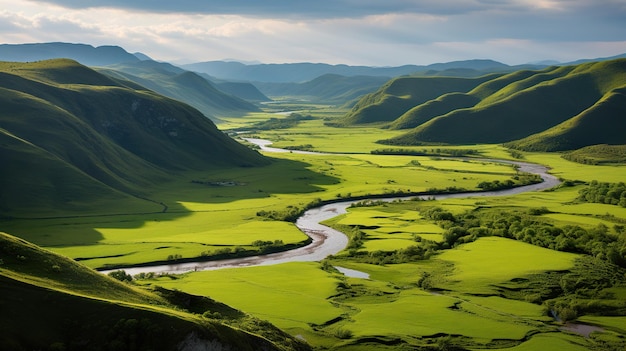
point(121, 275)
point(342, 333)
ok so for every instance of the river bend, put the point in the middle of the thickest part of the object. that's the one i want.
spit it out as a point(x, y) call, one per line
point(326, 241)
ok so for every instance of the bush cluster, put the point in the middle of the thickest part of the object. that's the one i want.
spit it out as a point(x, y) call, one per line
point(597, 242)
point(604, 193)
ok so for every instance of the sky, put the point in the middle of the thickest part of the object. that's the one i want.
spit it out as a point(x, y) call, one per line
point(354, 32)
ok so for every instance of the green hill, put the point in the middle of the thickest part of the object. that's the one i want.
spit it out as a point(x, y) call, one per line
point(50, 302)
point(602, 123)
point(399, 95)
point(525, 103)
point(598, 154)
point(182, 85)
point(100, 139)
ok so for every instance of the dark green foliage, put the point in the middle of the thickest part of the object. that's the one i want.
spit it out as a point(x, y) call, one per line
point(597, 242)
point(121, 275)
point(290, 214)
point(517, 180)
point(604, 193)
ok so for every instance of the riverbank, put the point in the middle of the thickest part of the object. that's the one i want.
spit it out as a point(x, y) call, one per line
point(325, 241)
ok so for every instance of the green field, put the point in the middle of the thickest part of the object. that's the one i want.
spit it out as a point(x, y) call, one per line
point(482, 292)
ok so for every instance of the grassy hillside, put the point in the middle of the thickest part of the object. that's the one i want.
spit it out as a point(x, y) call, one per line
point(602, 123)
point(50, 302)
point(533, 103)
point(598, 154)
point(182, 85)
point(99, 138)
point(399, 95)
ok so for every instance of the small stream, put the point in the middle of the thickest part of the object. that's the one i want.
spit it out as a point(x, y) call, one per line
point(326, 241)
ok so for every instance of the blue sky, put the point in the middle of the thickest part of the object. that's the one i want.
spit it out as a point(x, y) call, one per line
point(356, 32)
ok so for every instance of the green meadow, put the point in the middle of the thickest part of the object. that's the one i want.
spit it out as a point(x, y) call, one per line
point(477, 293)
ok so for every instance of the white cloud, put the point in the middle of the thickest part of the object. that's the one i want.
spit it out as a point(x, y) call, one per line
point(373, 33)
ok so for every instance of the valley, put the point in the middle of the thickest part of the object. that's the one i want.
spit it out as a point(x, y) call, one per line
point(450, 269)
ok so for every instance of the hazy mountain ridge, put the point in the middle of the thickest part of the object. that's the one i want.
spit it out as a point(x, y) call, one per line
point(562, 108)
point(328, 88)
point(110, 139)
point(305, 71)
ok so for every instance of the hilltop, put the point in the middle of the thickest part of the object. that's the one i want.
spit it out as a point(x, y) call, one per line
point(554, 109)
point(75, 138)
point(86, 54)
point(51, 302)
point(399, 95)
point(182, 85)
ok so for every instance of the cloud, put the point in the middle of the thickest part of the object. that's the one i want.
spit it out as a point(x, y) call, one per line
point(336, 8)
point(371, 32)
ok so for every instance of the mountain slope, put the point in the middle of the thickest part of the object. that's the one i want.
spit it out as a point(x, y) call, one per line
point(602, 123)
point(182, 85)
point(85, 54)
point(50, 302)
point(106, 137)
point(399, 95)
point(533, 104)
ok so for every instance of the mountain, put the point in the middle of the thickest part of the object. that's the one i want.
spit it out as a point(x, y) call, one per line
point(242, 90)
point(76, 138)
point(328, 88)
point(303, 72)
point(50, 302)
point(399, 95)
point(558, 108)
point(85, 54)
point(182, 85)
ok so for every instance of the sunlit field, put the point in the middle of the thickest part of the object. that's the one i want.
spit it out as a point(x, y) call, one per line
point(482, 292)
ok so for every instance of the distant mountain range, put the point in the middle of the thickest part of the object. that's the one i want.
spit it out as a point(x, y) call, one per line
point(75, 137)
point(302, 72)
point(554, 109)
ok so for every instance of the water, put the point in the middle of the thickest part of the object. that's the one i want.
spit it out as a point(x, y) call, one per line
point(325, 240)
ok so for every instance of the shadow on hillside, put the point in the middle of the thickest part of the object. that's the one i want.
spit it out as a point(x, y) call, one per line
point(211, 187)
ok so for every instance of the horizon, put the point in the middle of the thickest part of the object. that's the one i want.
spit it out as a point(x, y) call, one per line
point(392, 33)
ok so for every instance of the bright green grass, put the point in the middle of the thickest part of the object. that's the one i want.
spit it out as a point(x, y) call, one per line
point(403, 274)
point(576, 171)
point(423, 314)
point(508, 307)
point(289, 295)
point(493, 259)
point(615, 323)
point(548, 342)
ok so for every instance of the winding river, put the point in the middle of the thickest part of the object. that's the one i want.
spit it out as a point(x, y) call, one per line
point(325, 240)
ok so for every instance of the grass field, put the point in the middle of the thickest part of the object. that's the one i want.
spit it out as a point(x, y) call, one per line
point(461, 304)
